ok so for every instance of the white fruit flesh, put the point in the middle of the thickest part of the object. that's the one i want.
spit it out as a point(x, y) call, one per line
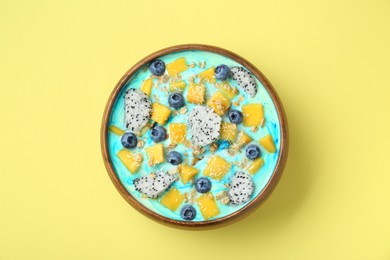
point(205, 125)
point(154, 184)
point(240, 188)
point(245, 80)
point(137, 110)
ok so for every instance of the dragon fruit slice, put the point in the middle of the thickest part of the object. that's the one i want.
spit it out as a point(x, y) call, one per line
point(154, 184)
point(205, 125)
point(240, 188)
point(245, 80)
point(137, 109)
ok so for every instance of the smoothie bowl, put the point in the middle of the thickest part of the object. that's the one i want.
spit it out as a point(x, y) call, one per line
point(194, 136)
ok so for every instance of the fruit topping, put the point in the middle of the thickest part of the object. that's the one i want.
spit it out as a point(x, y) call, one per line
point(203, 185)
point(176, 100)
point(188, 212)
point(174, 158)
point(157, 67)
point(252, 152)
point(222, 72)
point(129, 140)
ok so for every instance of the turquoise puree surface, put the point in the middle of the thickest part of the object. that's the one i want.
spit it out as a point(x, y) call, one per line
point(272, 127)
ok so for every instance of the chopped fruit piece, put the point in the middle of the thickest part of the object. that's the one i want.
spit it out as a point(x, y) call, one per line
point(208, 206)
point(203, 117)
point(219, 102)
point(255, 166)
point(177, 132)
point(116, 130)
point(187, 172)
point(137, 110)
point(228, 131)
point(131, 161)
point(227, 89)
point(241, 188)
point(243, 138)
point(177, 66)
point(253, 114)
point(172, 199)
point(196, 93)
point(217, 167)
point(160, 113)
point(153, 184)
point(155, 154)
point(245, 80)
point(268, 143)
point(178, 86)
point(208, 75)
point(147, 86)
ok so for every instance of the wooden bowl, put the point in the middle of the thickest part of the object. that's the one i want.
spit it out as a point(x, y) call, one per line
point(218, 222)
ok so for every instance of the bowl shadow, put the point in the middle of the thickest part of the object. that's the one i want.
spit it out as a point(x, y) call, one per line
point(277, 211)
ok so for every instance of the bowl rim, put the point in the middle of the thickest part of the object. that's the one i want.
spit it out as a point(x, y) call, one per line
point(218, 222)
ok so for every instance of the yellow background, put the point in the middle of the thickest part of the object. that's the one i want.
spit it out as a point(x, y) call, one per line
point(328, 60)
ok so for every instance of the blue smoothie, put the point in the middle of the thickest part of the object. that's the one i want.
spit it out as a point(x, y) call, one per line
point(272, 127)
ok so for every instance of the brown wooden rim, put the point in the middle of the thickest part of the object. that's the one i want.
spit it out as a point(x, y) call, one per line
point(219, 222)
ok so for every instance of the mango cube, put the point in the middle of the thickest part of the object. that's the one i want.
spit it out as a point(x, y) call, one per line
point(253, 114)
point(155, 154)
point(268, 143)
point(187, 172)
point(177, 132)
point(227, 89)
point(172, 199)
point(160, 113)
point(196, 93)
point(255, 165)
point(243, 139)
point(228, 131)
point(147, 86)
point(178, 86)
point(219, 102)
point(177, 66)
point(115, 130)
point(208, 206)
point(217, 167)
point(131, 161)
point(208, 75)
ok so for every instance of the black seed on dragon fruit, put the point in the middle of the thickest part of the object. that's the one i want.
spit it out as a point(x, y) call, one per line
point(137, 109)
point(240, 188)
point(205, 125)
point(154, 184)
point(245, 80)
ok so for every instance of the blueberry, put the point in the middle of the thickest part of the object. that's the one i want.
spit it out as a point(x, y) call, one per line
point(176, 100)
point(222, 72)
point(174, 158)
point(203, 185)
point(188, 212)
point(158, 133)
point(129, 140)
point(235, 116)
point(252, 151)
point(157, 67)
